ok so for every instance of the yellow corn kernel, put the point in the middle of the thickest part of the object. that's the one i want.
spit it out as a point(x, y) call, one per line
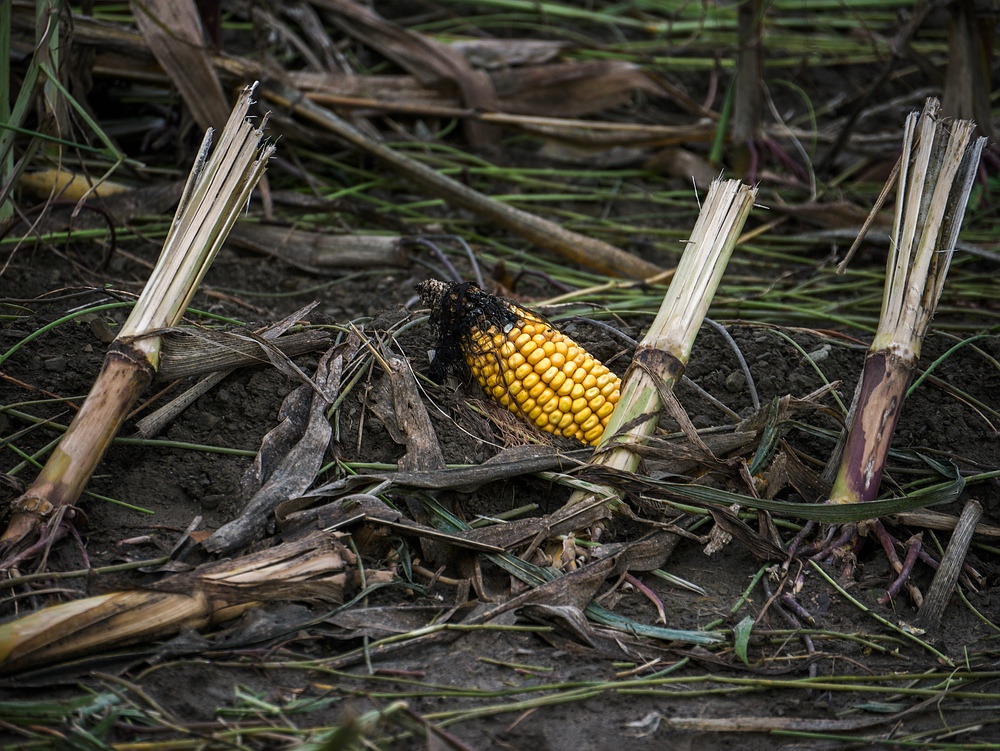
point(543, 365)
point(536, 356)
point(531, 379)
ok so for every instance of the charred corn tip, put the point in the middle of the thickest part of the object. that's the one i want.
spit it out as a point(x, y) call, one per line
point(522, 361)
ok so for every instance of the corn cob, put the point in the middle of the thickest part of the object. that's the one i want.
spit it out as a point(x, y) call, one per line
point(521, 361)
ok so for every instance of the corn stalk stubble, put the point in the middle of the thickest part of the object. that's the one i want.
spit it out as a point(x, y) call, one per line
point(665, 350)
point(217, 190)
point(936, 169)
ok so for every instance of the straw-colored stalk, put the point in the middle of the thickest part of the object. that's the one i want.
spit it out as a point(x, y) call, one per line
point(316, 567)
point(217, 189)
point(663, 354)
point(936, 172)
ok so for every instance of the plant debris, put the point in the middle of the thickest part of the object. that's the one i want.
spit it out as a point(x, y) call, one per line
point(438, 572)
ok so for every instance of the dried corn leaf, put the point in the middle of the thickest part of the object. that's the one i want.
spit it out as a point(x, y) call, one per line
point(174, 33)
point(571, 89)
point(429, 60)
point(493, 54)
point(403, 413)
point(290, 455)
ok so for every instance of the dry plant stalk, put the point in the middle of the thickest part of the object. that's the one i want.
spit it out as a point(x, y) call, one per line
point(218, 188)
point(936, 171)
point(588, 251)
point(663, 353)
point(950, 569)
point(317, 567)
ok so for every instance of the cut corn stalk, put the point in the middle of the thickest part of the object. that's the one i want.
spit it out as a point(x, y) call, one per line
point(662, 356)
point(217, 190)
point(318, 567)
point(521, 360)
point(936, 171)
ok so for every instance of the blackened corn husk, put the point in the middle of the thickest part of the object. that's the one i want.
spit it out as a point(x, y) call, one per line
point(936, 171)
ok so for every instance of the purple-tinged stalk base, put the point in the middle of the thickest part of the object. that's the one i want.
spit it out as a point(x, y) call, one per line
point(880, 399)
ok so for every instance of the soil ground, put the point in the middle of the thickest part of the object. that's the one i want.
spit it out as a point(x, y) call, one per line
point(177, 485)
point(535, 680)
